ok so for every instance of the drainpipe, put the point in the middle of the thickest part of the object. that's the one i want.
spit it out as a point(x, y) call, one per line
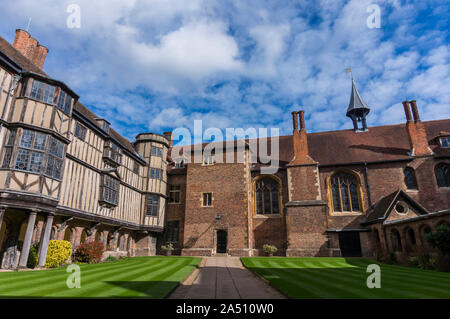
point(366, 179)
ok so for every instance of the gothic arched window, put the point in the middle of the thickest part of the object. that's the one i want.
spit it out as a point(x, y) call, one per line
point(410, 178)
point(345, 193)
point(267, 196)
point(442, 172)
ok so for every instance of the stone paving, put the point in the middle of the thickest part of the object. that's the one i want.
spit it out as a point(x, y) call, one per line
point(224, 277)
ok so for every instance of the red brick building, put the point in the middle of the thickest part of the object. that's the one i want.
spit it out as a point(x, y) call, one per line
point(337, 193)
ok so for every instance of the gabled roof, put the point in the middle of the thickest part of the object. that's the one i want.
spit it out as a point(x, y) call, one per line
point(386, 204)
point(356, 101)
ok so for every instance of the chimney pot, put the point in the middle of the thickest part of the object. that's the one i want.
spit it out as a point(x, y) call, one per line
point(415, 111)
point(407, 111)
point(302, 120)
point(295, 120)
point(168, 136)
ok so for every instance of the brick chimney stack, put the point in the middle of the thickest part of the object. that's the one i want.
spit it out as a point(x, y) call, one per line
point(168, 136)
point(416, 130)
point(30, 48)
point(300, 140)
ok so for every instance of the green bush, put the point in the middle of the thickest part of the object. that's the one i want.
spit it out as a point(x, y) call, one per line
point(110, 258)
point(440, 239)
point(270, 249)
point(33, 256)
point(58, 253)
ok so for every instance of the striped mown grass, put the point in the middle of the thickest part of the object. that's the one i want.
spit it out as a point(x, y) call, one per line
point(139, 277)
point(320, 277)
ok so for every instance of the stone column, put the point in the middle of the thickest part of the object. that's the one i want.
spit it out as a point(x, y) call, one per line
point(2, 213)
point(44, 240)
point(27, 240)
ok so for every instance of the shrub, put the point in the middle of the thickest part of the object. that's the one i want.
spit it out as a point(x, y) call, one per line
point(168, 247)
point(58, 252)
point(33, 256)
point(110, 258)
point(270, 249)
point(414, 261)
point(440, 239)
point(90, 252)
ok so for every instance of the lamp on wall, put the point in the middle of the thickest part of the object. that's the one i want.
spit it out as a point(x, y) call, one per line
point(218, 219)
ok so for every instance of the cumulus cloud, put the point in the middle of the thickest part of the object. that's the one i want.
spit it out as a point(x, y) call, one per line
point(160, 64)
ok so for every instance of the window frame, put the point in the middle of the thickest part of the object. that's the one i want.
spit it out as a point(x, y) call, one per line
point(209, 199)
point(262, 204)
point(113, 188)
point(156, 151)
point(445, 144)
point(342, 212)
point(152, 174)
point(445, 168)
point(80, 131)
point(113, 153)
point(174, 190)
point(412, 173)
point(152, 209)
point(61, 99)
point(31, 150)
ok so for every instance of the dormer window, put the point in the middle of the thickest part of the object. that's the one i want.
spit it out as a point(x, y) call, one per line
point(105, 126)
point(113, 153)
point(445, 141)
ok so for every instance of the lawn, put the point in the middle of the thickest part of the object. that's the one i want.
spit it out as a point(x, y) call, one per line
point(139, 277)
point(346, 278)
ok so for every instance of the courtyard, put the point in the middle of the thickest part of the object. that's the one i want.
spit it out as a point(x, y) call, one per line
point(322, 277)
point(138, 277)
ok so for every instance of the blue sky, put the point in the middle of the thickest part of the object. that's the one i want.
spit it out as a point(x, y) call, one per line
point(152, 66)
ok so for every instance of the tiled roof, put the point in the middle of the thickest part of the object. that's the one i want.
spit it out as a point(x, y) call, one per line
point(385, 205)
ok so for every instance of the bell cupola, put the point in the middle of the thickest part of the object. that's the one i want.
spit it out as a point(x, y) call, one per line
point(357, 110)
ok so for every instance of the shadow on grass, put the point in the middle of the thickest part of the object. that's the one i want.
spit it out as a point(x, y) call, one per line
point(330, 281)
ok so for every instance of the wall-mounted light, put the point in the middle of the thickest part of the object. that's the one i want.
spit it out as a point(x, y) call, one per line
point(218, 218)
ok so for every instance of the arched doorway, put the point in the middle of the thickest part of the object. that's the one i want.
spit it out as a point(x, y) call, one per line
point(410, 240)
point(68, 234)
point(396, 240)
point(83, 236)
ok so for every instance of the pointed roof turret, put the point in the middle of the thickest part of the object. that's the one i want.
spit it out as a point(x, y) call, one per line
point(357, 109)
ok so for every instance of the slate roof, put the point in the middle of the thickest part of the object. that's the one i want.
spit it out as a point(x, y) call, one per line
point(385, 205)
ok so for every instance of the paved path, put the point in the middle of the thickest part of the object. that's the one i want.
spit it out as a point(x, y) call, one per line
point(224, 278)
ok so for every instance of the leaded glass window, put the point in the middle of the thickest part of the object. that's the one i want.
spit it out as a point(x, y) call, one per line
point(30, 154)
point(267, 196)
point(110, 190)
point(345, 193)
point(410, 178)
point(152, 205)
point(442, 172)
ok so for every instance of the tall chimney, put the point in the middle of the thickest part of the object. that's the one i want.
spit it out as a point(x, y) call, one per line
point(30, 48)
point(300, 140)
point(168, 136)
point(417, 134)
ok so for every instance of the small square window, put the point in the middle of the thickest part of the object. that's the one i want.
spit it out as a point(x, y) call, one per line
point(156, 151)
point(207, 199)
